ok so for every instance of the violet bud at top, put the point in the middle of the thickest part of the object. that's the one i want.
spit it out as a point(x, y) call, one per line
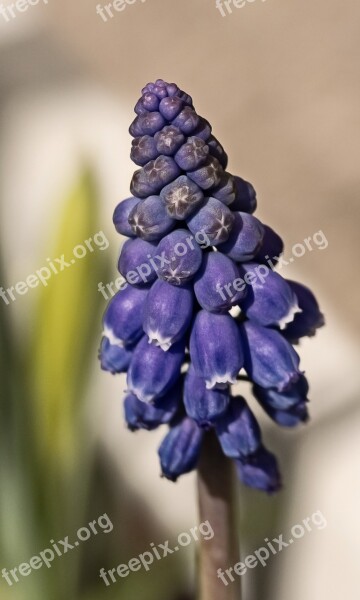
point(143, 149)
point(180, 449)
point(213, 218)
point(147, 124)
point(203, 405)
point(260, 471)
point(225, 191)
point(217, 151)
point(203, 130)
point(121, 216)
point(213, 282)
point(150, 179)
point(215, 348)
point(170, 107)
point(150, 220)
point(168, 140)
point(152, 371)
point(148, 102)
point(187, 120)
point(181, 197)
point(208, 175)
point(238, 430)
point(271, 248)
point(123, 317)
point(245, 196)
point(270, 361)
point(192, 154)
point(245, 238)
point(309, 319)
point(167, 313)
point(181, 257)
point(270, 300)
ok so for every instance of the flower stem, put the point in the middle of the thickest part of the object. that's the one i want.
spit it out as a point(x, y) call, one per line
point(217, 505)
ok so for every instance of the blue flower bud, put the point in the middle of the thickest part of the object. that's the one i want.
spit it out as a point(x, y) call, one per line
point(136, 262)
point(121, 215)
point(192, 154)
point(245, 238)
point(215, 348)
point(269, 301)
point(245, 196)
point(295, 394)
point(143, 149)
point(208, 175)
point(142, 415)
point(203, 405)
point(147, 124)
point(168, 140)
point(309, 319)
point(167, 313)
point(150, 179)
point(150, 220)
point(148, 102)
point(181, 197)
point(238, 430)
point(271, 248)
point(152, 372)
point(225, 191)
point(170, 107)
point(216, 272)
point(217, 151)
point(123, 317)
point(179, 451)
point(203, 130)
point(270, 361)
point(181, 257)
point(260, 471)
point(213, 218)
point(114, 358)
point(187, 120)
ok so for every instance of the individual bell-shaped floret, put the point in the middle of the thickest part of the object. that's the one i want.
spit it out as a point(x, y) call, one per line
point(142, 415)
point(309, 319)
point(192, 154)
point(215, 283)
point(179, 451)
point(245, 238)
point(245, 196)
point(203, 405)
point(208, 175)
point(181, 197)
point(124, 315)
point(181, 257)
point(121, 216)
point(213, 218)
point(136, 262)
point(238, 430)
point(260, 471)
point(150, 220)
point(271, 248)
point(151, 179)
point(114, 358)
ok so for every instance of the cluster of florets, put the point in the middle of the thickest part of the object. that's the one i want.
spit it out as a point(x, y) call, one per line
point(200, 300)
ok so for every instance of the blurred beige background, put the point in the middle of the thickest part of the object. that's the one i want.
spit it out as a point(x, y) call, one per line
point(279, 81)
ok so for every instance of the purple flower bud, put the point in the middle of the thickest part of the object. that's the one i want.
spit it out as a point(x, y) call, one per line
point(208, 175)
point(203, 405)
point(238, 430)
point(218, 151)
point(150, 179)
point(270, 361)
point(160, 90)
point(167, 313)
point(142, 415)
point(187, 120)
point(148, 102)
point(245, 238)
point(203, 130)
point(216, 272)
point(114, 358)
point(271, 248)
point(245, 196)
point(179, 451)
point(181, 197)
point(170, 107)
point(136, 262)
point(168, 140)
point(121, 215)
point(150, 220)
point(123, 317)
point(260, 471)
point(269, 301)
point(295, 394)
point(181, 257)
point(215, 348)
point(309, 319)
point(143, 149)
point(213, 218)
point(152, 372)
point(225, 191)
point(192, 154)
point(172, 89)
point(147, 124)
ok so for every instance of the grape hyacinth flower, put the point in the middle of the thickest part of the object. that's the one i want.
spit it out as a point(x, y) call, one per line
point(202, 309)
